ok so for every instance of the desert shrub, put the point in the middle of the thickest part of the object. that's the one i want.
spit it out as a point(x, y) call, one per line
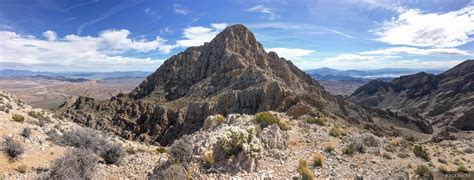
point(386, 156)
point(18, 118)
point(26, 132)
point(424, 172)
point(354, 148)
point(213, 121)
point(421, 152)
point(314, 120)
point(443, 169)
point(329, 147)
point(113, 154)
point(469, 150)
point(235, 139)
point(317, 159)
point(208, 158)
point(35, 114)
point(265, 119)
point(441, 160)
point(284, 125)
point(337, 132)
point(12, 148)
point(403, 155)
point(76, 164)
point(462, 168)
point(390, 148)
point(304, 171)
point(181, 150)
point(161, 150)
point(169, 171)
point(85, 138)
point(22, 169)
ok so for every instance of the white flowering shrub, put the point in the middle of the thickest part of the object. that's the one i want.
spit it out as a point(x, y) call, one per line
point(235, 139)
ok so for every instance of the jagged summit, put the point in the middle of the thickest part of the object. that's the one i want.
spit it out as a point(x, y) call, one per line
point(230, 74)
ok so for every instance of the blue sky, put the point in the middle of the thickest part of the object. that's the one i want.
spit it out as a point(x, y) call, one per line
point(112, 35)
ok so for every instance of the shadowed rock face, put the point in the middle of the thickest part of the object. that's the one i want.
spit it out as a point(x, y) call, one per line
point(447, 99)
point(230, 74)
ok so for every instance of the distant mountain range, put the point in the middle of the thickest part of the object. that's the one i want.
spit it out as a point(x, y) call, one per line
point(76, 75)
point(384, 74)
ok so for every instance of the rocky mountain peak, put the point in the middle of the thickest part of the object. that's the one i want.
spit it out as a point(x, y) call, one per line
point(236, 37)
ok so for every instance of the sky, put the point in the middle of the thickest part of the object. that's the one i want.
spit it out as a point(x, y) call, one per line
point(138, 35)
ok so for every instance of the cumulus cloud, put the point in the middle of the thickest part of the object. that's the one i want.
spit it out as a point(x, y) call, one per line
point(50, 35)
point(291, 53)
point(417, 51)
point(416, 28)
point(271, 15)
point(104, 52)
point(198, 35)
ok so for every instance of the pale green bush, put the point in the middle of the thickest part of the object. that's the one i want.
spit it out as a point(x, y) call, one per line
point(235, 139)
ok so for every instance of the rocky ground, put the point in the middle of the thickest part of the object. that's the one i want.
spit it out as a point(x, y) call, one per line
point(270, 151)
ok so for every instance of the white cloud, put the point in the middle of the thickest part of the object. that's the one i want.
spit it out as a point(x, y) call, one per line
point(198, 35)
point(416, 28)
point(73, 52)
point(291, 53)
point(178, 9)
point(416, 51)
point(271, 15)
point(50, 35)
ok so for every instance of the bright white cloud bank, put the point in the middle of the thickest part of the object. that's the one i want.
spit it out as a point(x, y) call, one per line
point(291, 53)
point(198, 35)
point(103, 52)
point(416, 28)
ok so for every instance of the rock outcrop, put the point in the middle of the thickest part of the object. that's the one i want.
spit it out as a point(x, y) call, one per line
point(230, 74)
point(445, 99)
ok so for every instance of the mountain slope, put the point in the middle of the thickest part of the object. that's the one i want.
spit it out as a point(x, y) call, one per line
point(230, 74)
point(447, 99)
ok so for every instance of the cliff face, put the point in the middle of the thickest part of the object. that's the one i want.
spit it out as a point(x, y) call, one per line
point(230, 74)
point(446, 99)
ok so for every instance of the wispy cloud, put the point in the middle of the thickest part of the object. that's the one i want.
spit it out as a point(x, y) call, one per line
point(416, 28)
point(417, 51)
point(114, 10)
point(70, 19)
point(271, 15)
point(79, 5)
point(179, 9)
point(152, 13)
point(306, 28)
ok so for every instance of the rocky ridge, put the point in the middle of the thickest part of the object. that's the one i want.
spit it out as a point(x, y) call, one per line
point(445, 99)
point(230, 74)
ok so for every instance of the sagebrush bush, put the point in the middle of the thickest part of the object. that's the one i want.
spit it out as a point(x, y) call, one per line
point(13, 148)
point(35, 114)
point(284, 125)
point(113, 154)
point(235, 139)
point(182, 150)
point(314, 120)
point(85, 138)
point(424, 172)
point(354, 148)
point(169, 171)
point(76, 164)
point(317, 159)
point(161, 150)
point(26, 132)
point(18, 118)
point(421, 152)
point(304, 171)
